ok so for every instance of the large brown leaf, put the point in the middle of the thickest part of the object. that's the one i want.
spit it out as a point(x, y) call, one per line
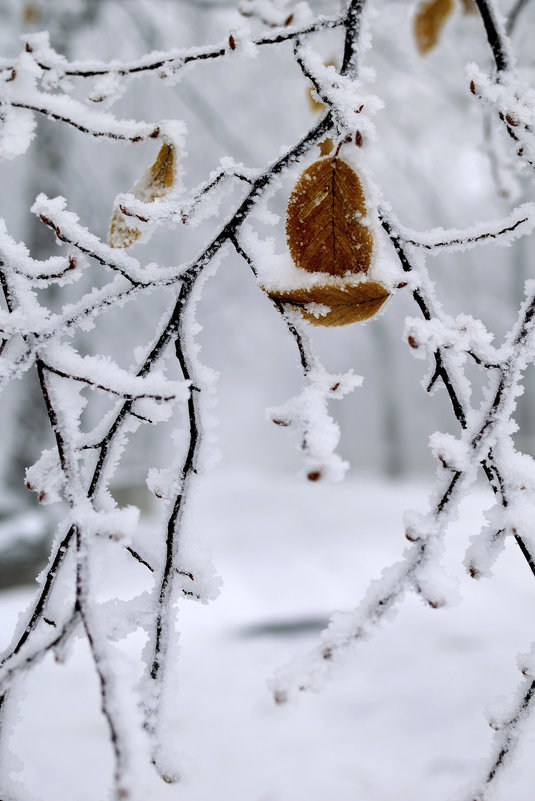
point(348, 303)
point(156, 182)
point(323, 222)
point(429, 21)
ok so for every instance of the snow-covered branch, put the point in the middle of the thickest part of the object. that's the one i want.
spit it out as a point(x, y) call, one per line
point(345, 255)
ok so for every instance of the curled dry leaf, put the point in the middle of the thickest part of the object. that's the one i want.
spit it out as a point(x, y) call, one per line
point(429, 21)
point(156, 182)
point(326, 220)
point(347, 303)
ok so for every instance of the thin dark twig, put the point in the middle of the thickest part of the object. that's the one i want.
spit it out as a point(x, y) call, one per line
point(164, 610)
point(7, 673)
point(509, 739)
point(440, 370)
point(139, 558)
point(52, 416)
point(174, 62)
point(310, 76)
point(496, 36)
point(353, 25)
point(65, 452)
point(463, 240)
point(101, 669)
point(479, 361)
point(185, 211)
point(71, 265)
point(88, 252)
point(84, 129)
point(306, 362)
point(126, 395)
point(186, 472)
point(489, 467)
point(40, 603)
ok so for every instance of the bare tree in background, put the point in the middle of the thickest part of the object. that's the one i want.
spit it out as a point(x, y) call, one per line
point(344, 257)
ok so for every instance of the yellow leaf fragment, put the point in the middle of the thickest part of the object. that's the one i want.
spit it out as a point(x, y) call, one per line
point(429, 21)
point(346, 304)
point(161, 176)
point(156, 182)
point(31, 14)
point(123, 232)
point(326, 220)
point(469, 7)
point(315, 104)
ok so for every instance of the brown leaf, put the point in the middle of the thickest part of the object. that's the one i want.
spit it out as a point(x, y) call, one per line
point(429, 21)
point(156, 182)
point(349, 303)
point(326, 147)
point(323, 225)
point(315, 104)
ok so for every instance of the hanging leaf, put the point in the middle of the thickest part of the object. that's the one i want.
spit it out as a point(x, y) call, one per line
point(325, 225)
point(156, 182)
point(348, 303)
point(429, 21)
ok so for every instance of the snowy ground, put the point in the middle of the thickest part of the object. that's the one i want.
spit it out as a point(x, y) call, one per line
point(403, 718)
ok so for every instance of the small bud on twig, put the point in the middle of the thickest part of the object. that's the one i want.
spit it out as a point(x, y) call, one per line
point(411, 535)
point(280, 697)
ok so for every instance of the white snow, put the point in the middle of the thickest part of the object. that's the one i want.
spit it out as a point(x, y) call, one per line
point(404, 719)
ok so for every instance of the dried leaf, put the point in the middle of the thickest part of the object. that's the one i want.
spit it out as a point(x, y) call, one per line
point(349, 303)
point(31, 14)
point(315, 105)
point(326, 147)
point(429, 21)
point(324, 225)
point(156, 182)
point(469, 7)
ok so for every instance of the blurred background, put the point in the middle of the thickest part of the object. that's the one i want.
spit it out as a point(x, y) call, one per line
point(438, 158)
